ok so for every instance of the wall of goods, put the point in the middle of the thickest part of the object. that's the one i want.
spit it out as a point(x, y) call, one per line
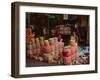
point(52, 37)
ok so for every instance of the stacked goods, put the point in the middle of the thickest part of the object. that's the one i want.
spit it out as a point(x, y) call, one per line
point(52, 46)
point(56, 46)
point(58, 53)
point(56, 57)
point(29, 41)
point(61, 48)
point(43, 50)
point(37, 43)
point(28, 35)
point(46, 47)
point(29, 50)
point(41, 41)
point(74, 50)
point(70, 53)
point(50, 50)
point(67, 56)
point(46, 52)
